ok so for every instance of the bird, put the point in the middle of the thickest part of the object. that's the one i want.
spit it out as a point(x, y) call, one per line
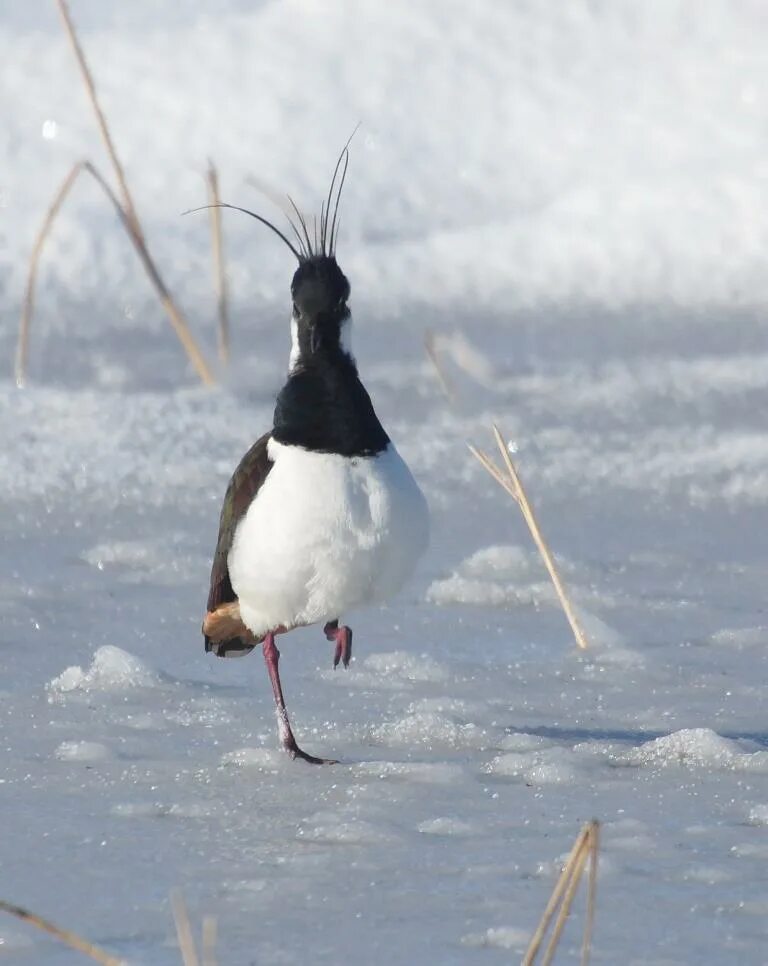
point(322, 515)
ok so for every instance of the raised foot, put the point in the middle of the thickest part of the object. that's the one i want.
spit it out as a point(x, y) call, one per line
point(343, 637)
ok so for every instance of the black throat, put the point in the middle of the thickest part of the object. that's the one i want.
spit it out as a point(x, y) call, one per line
point(325, 408)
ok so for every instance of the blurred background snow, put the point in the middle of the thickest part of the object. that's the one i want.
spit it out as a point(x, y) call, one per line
point(510, 158)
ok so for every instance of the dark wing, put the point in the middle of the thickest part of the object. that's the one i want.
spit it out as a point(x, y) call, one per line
point(245, 484)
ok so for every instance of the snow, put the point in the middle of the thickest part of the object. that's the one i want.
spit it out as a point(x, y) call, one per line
point(575, 203)
point(112, 669)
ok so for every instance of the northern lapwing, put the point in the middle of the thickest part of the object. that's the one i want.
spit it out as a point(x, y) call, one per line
point(322, 515)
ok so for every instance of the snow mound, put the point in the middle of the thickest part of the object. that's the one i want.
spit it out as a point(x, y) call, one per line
point(696, 748)
point(750, 850)
point(389, 671)
point(428, 729)
point(407, 667)
point(446, 826)
point(758, 815)
point(13, 940)
point(741, 637)
point(706, 874)
point(427, 773)
point(606, 640)
point(263, 759)
point(82, 751)
point(501, 937)
point(550, 766)
point(161, 810)
point(447, 705)
point(520, 741)
point(338, 828)
point(506, 575)
point(113, 669)
point(162, 562)
point(495, 576)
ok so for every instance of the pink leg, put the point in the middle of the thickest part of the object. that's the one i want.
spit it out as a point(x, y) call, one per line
point(343, 637)
point(272, 658)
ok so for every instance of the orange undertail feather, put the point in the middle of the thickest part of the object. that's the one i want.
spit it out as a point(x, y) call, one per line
point(225, 622)
point(226, 634)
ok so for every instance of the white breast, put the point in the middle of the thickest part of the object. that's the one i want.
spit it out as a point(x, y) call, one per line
point(324, 535)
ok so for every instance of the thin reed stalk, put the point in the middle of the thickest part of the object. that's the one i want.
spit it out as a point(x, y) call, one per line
point(177, 320)
point(101, 119)
point(22, 346)
point(210, 930)
point(430, 347)
point(558, 907)
point(509, 480)
point(128, 211)
point(183, 929)
point(71, 939)
point(220, 274)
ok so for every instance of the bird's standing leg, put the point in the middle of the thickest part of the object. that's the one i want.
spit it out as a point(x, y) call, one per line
point(343, 637)
point(272, 658)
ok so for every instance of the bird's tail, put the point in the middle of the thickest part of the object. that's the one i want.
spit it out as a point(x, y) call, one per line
point(225, 633)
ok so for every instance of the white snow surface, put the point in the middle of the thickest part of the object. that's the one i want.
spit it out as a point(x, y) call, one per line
point(574, 197)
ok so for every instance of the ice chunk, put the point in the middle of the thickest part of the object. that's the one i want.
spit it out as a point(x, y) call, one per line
point(405, 666)
point(161, 562)
point(82, 751)
point(446, 826)
point(507, 575)
point(428, 729)
point(548, 766)
point(696, 748)
point(741, 636)
point(340, 828)
point(501, 937)
point(758, 815)
point(113, 669)
point(423, 772)
point(161, 810)
point(263, 759)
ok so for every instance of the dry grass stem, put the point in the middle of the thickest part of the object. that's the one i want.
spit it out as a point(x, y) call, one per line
point(430, 346)
point(554, 899)
point(559, 904)
point(565, 906)
point(100, 118)
point(220, 275)
point(22, 347)
point(127, 210)
point(183, 929)
point(70, 938)
point(510, 481)
point(177, 319)
point(210, 929)
point(533, 526)
point(589, 922)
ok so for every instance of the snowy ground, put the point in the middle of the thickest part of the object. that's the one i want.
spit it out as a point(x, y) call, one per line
point(584, 197)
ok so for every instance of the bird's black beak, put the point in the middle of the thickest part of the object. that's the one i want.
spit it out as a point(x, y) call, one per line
point(315, 339)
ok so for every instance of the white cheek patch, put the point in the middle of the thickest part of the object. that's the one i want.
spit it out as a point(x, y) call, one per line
point(293, 361)
point(345, 336)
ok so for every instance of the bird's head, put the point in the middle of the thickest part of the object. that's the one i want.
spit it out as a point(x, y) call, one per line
point(320, 292)
point(319, 288)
